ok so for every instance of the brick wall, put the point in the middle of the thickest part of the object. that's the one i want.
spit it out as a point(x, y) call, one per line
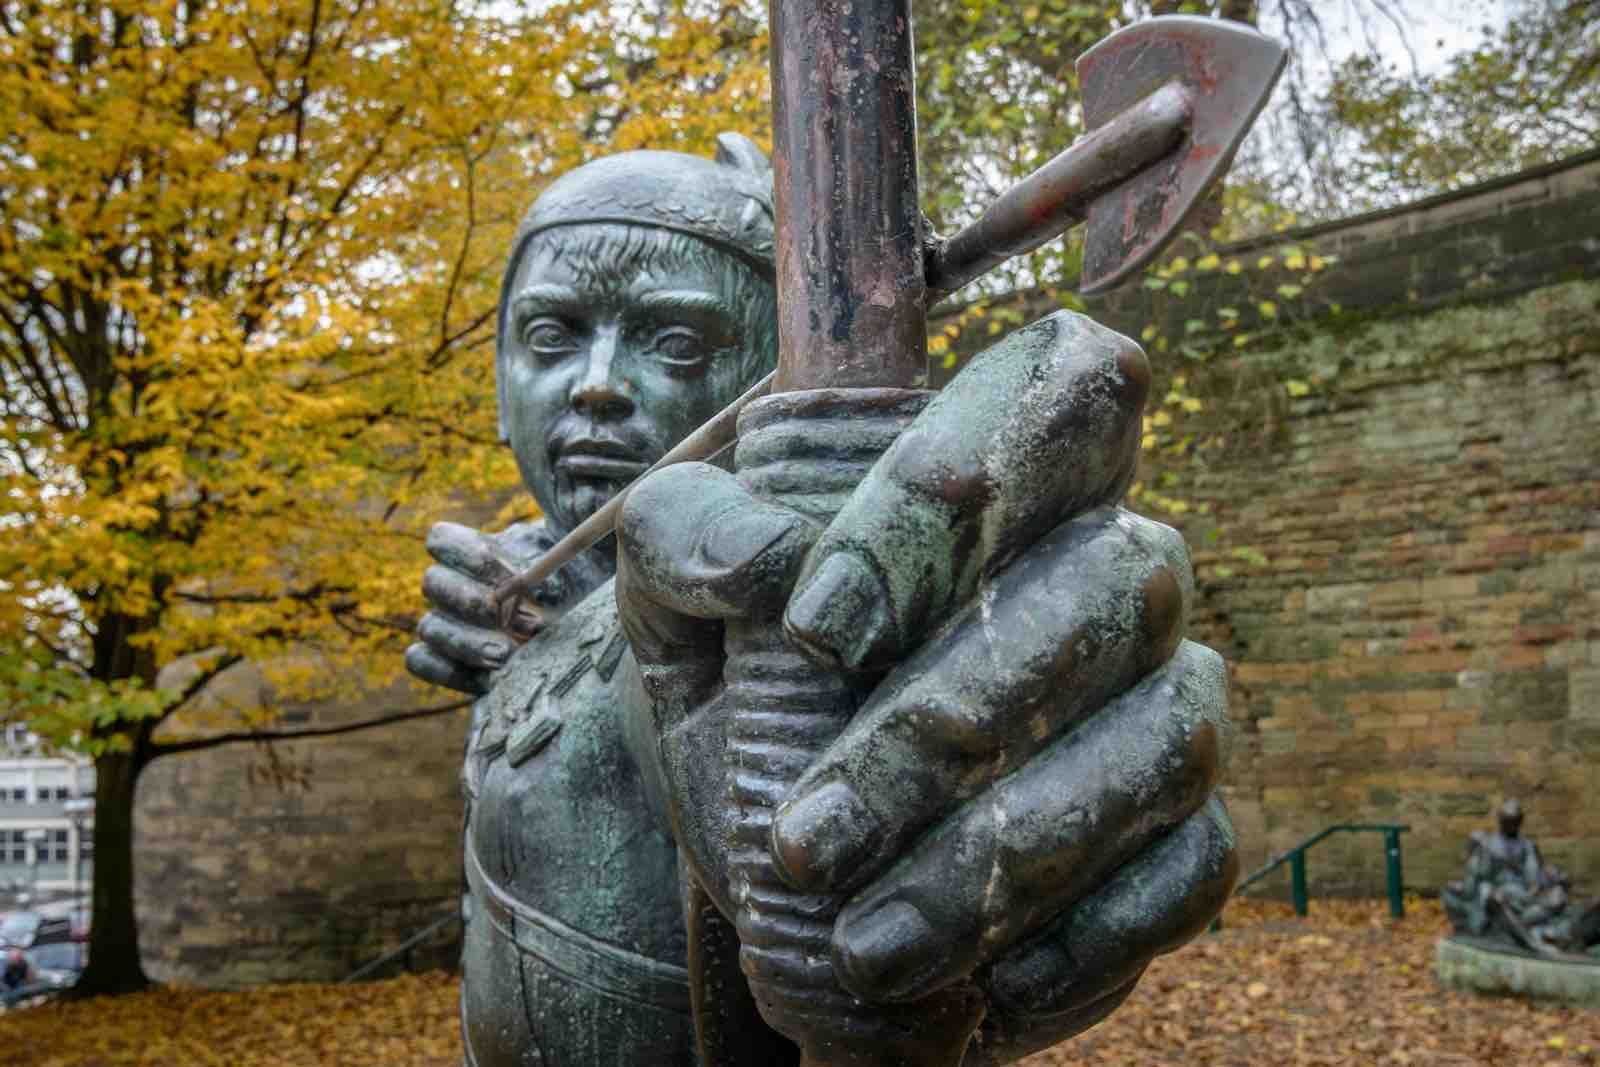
point(1424, 636)
point(301, 864)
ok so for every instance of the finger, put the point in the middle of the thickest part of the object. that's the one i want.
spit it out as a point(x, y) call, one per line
point(471, 646)
point(460, 596)
point(1005, 1039)
point(461, 548)
point(679, 656)
point(1009, 862)
point(423, 662)
point(1094, 607)
point(700, 544)
point(1156, 902)
point(1041, 427)
point(695, 547)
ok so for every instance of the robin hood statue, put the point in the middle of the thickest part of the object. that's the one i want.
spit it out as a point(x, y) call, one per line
point(747, 769)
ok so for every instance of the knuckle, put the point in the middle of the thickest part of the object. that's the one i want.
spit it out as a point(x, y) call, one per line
point(1165, 607)
point(1163, 542)
point(456, 592)
point(1133, 367)
point(656, 499)
point(1205, 682)
point(442, 536)
point(1192, 742)
point(432, 628)
point(663, 488)
point(1202, 758)
point(945, 728)
point(435, 581)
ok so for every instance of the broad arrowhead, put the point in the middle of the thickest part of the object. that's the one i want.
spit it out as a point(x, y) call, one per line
point(1229, 71)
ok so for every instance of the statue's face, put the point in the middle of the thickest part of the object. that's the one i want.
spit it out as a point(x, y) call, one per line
point(617, 343)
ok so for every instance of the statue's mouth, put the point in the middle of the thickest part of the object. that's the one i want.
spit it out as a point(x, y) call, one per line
point(606, 460)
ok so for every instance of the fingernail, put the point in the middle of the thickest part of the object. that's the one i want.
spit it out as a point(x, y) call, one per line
point(891, 954)
point(740, 537)
point(494, 651)
point(818, 838)
point(842, 613)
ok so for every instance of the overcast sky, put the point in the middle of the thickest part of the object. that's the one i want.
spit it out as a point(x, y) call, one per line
point(1433, 30)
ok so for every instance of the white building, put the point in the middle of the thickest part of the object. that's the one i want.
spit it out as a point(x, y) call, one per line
point(45, 840)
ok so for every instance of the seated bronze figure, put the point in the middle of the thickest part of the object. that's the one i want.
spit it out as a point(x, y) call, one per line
point(1512, 900)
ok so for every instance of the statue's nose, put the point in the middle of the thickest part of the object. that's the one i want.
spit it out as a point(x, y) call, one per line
point(600, 391)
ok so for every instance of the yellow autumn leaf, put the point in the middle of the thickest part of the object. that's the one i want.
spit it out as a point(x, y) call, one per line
point(293, 303)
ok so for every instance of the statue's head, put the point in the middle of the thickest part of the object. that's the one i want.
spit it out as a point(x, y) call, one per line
point(1510, 818)
point(638, 303)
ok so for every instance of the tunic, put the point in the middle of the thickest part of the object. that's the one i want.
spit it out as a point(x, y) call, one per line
point(574, 947)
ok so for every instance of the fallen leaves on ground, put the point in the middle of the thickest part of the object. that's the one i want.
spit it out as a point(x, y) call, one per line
point(1344, 988)
point(406, 1022)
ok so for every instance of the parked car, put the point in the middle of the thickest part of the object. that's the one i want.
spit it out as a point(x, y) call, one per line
point(57, 965)
point(75, 912)
point(27, 928)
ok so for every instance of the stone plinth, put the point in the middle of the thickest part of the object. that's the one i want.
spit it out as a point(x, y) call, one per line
point(1462, 964)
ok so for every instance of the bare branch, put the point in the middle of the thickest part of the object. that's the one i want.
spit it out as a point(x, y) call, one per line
point(200, 744)
point(201, 680)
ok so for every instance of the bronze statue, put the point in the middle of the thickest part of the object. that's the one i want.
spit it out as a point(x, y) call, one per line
point(887, 749)
point(617, 336)
point(1511, 899)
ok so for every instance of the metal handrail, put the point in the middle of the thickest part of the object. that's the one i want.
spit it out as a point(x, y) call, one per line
point(404, 948)
point(1296, 859)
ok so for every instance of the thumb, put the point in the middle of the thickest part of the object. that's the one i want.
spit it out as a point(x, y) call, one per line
point(696, 542)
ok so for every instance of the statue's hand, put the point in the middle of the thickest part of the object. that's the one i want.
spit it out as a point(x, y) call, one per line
point(1026, 799)
point(460, 643)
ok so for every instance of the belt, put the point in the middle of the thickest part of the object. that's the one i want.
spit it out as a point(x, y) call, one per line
point(587, 961)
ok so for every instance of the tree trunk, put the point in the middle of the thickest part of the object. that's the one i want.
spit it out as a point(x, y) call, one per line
point(114, 965)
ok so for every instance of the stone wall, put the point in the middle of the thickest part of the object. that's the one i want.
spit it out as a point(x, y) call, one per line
point(1481, 244)
point(1423, 636)
point(302, 862)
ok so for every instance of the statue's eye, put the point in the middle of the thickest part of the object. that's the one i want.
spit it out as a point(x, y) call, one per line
point(679, 346)
point(545, 334)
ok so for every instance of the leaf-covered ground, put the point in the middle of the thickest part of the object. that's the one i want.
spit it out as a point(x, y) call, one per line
point(1345, 987)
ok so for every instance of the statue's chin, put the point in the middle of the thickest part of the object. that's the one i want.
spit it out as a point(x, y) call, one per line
point(578, 498)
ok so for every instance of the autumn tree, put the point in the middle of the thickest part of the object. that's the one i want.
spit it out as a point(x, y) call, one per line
point(248, 259)
point(997, 96)
point(1524, 95)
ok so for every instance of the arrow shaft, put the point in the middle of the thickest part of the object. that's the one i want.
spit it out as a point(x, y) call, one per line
point(1057, 196)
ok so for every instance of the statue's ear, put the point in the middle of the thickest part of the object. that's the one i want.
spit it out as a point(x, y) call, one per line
point(737, 150)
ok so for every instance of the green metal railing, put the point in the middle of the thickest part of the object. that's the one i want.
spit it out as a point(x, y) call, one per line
point(1296, 859)
point(404, 951)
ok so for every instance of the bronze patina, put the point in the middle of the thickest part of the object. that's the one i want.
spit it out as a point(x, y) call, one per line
point(885, 748)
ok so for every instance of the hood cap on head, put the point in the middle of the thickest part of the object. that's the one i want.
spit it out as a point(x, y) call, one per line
point(726, 201)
